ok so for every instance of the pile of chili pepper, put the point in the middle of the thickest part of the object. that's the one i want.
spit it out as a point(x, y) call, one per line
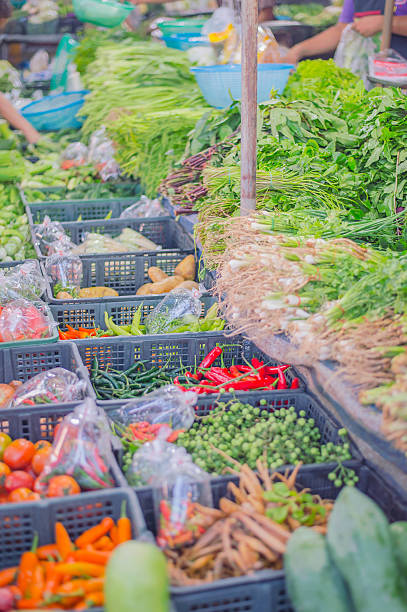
point(248, 377)
point(139, 380)
point(81, 332)
point(133, 382)
point(65, 574)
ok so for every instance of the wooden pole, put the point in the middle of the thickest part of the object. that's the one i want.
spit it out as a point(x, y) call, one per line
point(249, 107)
point(387, 25)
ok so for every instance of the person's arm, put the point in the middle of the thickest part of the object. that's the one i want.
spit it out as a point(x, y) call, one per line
point(372, 24)
point(15, 119)
point(322, 43)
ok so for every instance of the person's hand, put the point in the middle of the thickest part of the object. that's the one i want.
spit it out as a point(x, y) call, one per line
point(32, 135)
point(293, 56)
point(368, 26)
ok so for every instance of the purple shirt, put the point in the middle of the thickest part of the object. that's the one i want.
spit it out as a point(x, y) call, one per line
point(348, 10)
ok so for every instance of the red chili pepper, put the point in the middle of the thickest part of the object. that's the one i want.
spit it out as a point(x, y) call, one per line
point(235, 372)
point(165, 510)
point(219, 375)
point(295, 383)
point(282, 383)
point(194, 377)
point(259, 366)
point(243, 369)
point(276, 369)
point(211, 357)
point(244, 385)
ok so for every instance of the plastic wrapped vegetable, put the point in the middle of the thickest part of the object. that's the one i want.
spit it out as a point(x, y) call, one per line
point(144, 207)
point(101, 154)
point(24, 320)
point(179, 311)
point(180, 489)
point(74, 155)
point(52, 386)
point(48, 232)
point(168, 405)
point(22, 281)
point(65, 271)
point(81, 450)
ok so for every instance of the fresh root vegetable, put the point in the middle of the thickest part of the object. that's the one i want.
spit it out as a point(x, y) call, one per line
point(162, 283)
point(186, 268)
point(249, 532)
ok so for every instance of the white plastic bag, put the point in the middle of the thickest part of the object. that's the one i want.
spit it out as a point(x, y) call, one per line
point(353, 52)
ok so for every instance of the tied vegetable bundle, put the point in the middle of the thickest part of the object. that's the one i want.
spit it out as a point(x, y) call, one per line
point(333, 298)
point(150, 138)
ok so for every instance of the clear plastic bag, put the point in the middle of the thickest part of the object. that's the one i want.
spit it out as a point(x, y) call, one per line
point(24, 320)
point(22, 281)
point(47, 233)
point(76, 153)
point(144, 207)
point(81, 449)
point(180, 488)
point(56, 386)
point(353, 52)
point(388, 65)
point(65, 272)
point(101, 154)
point(39, 61)
point(167, 405)
point(178, 309)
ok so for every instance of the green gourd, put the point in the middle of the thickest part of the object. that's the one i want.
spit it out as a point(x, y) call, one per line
point(361, 547)
point(137, 579)
point(312, 580)
point(398, 532)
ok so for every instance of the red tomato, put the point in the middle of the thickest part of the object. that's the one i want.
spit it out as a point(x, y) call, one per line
point(42, 444)
point(22, 495)
point(4, 472)
point(59, 486)
point(18, 480)
point(40, 459)
point(19, 454)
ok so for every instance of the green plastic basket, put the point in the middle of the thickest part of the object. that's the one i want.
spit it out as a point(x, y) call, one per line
point(105, 13)
point(181, 26)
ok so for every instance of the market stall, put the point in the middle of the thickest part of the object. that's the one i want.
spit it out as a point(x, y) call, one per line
point(202, 328)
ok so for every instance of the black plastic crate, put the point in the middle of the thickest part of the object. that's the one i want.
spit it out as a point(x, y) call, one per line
point(124, 272)
point(91, 314)
point(22, 363)
point(75, 210)
point(132, 188)
point(19, 522)
point(328, 427)
point(171, 351)
point(265, 591)
point(38, 423)
point(164, 231)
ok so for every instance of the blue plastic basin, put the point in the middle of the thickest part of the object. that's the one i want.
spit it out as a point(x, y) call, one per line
point(220, 85)
point(53, 113)
point(183, 42)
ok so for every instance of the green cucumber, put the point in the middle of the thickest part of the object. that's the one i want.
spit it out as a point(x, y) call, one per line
point(313, 582)
point(360, 545)
point(137, 579)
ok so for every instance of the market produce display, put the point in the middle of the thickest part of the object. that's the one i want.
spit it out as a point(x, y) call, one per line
point(186, 395)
